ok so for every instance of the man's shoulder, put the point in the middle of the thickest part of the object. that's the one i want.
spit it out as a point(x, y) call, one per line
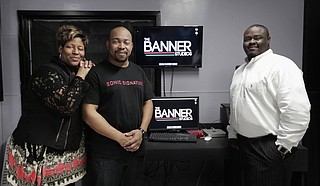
point(279, 57)
point(282, 62)
point(104, 64)
point(135, 66)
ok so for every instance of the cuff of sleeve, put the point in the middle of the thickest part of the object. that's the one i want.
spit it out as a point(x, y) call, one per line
point(284, 145)
point(78, 80)
point(231, 132)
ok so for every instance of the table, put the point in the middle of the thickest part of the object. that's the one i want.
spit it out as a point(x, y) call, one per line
point(216, 149)
point(167, 156)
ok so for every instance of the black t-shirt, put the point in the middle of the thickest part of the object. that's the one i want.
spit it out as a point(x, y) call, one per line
point(120, 94)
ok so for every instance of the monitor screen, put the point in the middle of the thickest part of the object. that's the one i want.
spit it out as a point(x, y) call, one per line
point(168, 46)
point(175, 113)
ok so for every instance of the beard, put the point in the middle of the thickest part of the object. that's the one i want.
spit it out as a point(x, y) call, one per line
point(119, 58)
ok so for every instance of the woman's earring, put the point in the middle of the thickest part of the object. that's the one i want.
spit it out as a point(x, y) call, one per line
point(60, 56)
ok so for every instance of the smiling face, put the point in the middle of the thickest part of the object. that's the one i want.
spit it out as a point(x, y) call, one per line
point(256, 40)
point(72, 52)
point(119, 46)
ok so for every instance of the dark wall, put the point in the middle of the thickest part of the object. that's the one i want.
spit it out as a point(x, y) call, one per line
point(311, 69)
point(37, 36)
point(1, 85)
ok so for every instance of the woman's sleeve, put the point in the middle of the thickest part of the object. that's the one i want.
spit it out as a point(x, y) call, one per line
point(53, 89)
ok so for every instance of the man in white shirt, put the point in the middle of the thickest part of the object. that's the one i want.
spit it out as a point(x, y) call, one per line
point(270, 111)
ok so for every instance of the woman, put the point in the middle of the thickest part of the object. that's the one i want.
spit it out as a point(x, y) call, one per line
point(47, 147)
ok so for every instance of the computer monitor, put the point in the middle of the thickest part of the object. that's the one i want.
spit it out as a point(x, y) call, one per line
point(175, 114)
point(168, 46)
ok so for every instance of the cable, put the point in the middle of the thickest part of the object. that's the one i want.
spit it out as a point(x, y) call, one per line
point(172, 75)
point(164, 82)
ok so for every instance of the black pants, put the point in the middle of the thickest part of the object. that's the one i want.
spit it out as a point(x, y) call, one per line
point(109, 172)
point(262, 163)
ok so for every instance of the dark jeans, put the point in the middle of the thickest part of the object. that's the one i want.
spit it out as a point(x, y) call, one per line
point(262, 163)
point(110, 172)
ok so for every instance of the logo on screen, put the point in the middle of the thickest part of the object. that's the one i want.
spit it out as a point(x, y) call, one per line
point(182, 114)
point(167, 48)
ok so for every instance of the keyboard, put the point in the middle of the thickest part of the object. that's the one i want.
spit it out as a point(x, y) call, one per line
point(172, 137)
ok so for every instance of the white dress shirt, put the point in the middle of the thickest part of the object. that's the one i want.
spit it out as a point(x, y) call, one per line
point(268, 96)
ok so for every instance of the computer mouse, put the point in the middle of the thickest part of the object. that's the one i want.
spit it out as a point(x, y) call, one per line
point(207, 138)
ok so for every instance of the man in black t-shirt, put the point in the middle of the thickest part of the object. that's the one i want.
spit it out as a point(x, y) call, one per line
point(118, 108)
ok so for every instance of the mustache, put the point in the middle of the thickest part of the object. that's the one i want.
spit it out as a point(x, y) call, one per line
point(121, 51)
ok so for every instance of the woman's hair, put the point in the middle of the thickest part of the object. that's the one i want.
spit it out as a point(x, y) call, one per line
point(67, 33)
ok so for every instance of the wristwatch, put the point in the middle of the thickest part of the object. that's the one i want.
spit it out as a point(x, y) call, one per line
point(142, 130)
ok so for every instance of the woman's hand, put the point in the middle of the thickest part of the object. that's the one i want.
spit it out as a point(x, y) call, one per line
point(84, 68)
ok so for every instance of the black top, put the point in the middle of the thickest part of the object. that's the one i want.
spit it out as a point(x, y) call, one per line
point(51, 113)
point(120, 94)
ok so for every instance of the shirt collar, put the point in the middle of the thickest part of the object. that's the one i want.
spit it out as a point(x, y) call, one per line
point(269, 51)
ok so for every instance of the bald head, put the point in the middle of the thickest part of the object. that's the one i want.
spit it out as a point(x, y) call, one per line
point(119, 45)
point(256, 40)
point(260, 26)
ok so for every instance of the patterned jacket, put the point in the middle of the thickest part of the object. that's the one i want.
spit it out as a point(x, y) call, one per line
point(52, 108)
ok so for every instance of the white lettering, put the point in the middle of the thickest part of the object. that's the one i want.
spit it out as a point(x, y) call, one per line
point(179, 114)
point(167, 46)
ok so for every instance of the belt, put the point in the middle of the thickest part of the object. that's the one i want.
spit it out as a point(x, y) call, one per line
point(241, 137)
